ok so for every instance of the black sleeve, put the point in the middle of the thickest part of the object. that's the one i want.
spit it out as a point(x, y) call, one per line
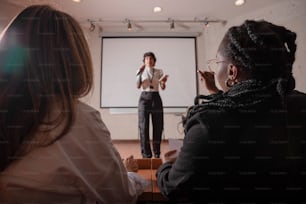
point(176, 180)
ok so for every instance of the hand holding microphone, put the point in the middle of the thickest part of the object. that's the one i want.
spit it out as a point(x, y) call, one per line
point(141, 70)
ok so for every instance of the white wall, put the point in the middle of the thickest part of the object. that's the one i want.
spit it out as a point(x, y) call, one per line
point(7, 12)
point(291, 14)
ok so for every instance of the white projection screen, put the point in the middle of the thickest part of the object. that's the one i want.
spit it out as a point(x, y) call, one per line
point(122, 56)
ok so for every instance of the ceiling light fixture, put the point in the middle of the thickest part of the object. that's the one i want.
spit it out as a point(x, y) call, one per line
point(157, 9)
point(77, 1)
point(206, 23)
point(239, 2)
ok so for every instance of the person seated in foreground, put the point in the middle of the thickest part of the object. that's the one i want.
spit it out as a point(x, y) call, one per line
point(54, 148)
point(246, 142)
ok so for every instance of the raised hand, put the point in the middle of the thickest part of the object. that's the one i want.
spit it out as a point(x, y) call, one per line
point(208, 78)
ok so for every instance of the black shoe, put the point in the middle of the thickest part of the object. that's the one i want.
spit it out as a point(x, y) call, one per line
point(156, 155)
point(146, 156)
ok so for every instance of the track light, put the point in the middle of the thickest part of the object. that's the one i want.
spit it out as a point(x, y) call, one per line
point(172, 23)
point(206, 24)
point(172, 26)
point(100, 29)
point(129, 25)
point(92, 27)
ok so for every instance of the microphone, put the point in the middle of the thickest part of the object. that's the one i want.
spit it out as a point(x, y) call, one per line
point(139, 72)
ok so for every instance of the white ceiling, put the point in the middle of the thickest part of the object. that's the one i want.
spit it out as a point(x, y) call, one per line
point(112, 13)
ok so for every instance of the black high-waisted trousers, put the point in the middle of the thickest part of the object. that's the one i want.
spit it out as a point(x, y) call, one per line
point(150, 103)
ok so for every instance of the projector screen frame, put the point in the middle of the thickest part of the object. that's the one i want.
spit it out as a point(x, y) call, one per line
point(158, 65)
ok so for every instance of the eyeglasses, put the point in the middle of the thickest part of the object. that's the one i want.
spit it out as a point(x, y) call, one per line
point(213, 64)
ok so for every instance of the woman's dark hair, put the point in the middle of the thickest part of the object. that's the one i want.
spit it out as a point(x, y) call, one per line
point(266, 53)
point(263, 50)
point(149, 54)
point(45, 66)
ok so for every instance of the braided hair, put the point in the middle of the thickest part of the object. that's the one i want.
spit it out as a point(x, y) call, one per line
point(266, 53)
point(263, 50)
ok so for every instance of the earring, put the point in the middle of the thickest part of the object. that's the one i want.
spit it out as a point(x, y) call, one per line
point(230, 82)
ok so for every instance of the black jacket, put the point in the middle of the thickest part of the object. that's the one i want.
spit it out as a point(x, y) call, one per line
point(252, 155)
